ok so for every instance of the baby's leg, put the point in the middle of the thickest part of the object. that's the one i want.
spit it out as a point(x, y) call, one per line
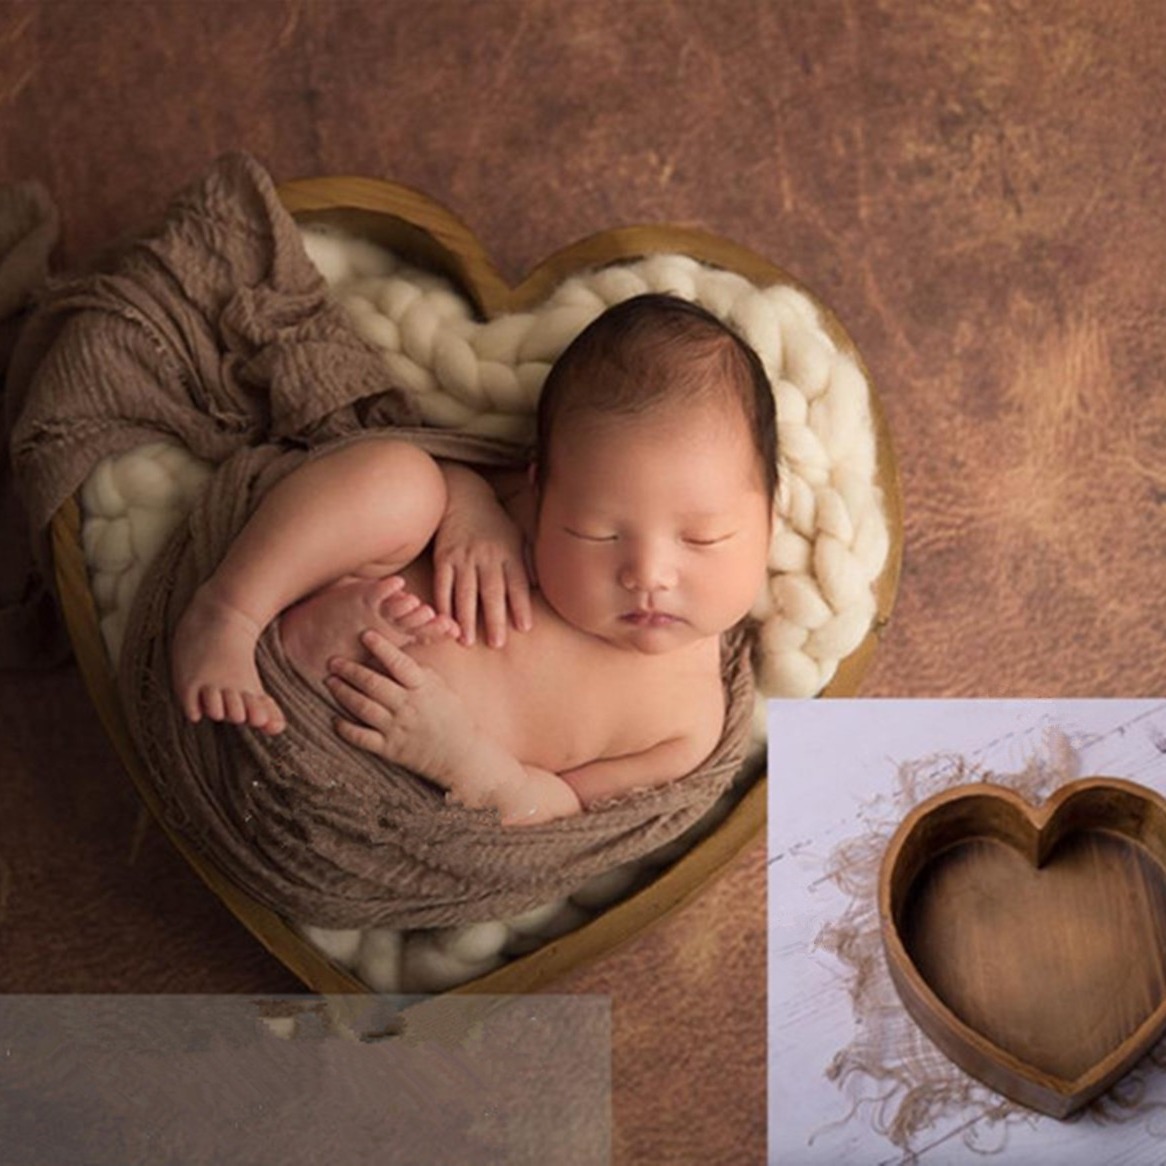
point(370, 508)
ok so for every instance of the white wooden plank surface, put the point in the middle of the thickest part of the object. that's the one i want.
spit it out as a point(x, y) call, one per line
point(833, 779)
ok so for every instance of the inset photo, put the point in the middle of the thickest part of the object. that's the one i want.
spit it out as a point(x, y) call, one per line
point(967, 932)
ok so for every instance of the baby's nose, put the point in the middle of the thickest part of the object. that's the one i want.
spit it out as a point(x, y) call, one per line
point(647, 570)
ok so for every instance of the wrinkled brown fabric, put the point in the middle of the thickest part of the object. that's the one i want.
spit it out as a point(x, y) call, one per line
point(30, 633)
point(330, 835)
point(217, 331)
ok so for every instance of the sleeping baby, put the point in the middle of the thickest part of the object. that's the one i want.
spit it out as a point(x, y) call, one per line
point(534, 643)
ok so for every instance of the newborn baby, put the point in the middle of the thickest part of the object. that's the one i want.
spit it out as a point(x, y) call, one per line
point(644, 524)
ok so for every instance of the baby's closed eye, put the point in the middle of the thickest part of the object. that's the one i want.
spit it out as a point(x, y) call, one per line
point(698, 540)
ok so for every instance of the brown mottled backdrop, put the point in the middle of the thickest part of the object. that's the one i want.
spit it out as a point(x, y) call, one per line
point(978, 191)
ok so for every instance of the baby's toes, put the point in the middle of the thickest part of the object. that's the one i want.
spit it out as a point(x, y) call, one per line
point(387, 587)
point(398, 606)
point(263, 713)
point(418, 618)
point(211, 701)
point(441, 627)
point(234, 707)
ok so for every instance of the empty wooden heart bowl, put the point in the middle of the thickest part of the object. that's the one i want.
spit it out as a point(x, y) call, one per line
point(1029, 943)
point(428, 236)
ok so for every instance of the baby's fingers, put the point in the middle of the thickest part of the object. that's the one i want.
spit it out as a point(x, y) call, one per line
point(443, 576)
point(518, 596)
point(371, 710)
point(370, 740)
point(466, 603)
point(493, 596)
point(400, 667)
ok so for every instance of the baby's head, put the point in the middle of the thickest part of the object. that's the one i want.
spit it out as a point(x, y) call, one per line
point(656, 354)
point(655, 469)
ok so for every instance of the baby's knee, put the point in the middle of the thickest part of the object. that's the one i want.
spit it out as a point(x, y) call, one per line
point(408, 483)
point(404, 462)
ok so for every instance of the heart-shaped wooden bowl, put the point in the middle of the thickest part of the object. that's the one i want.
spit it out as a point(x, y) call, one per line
point(426, 234)
point(1030, 943)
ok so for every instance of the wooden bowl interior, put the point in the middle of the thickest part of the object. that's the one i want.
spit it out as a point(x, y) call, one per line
point(1041, 935)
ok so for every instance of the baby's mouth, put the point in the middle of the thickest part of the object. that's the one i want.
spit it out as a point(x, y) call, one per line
point(642, 618)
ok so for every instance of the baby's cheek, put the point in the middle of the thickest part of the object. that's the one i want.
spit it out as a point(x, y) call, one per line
point(553, 572)
point(739, 581)
point(577, 593)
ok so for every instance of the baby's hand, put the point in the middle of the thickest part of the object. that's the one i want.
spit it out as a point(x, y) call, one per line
point(406, 714)
point(478, 559)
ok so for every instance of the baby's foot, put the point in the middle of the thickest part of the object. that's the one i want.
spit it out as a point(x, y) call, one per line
point(330, 622)
point(212, 661)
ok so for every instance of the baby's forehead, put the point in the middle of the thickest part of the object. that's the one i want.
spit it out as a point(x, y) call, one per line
point(603, 450)
point(715, 419)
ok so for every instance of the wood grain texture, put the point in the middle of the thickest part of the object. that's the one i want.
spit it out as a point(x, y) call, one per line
point(1030, 943)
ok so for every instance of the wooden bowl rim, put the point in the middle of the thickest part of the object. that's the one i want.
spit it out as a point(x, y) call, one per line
point(1047, 826)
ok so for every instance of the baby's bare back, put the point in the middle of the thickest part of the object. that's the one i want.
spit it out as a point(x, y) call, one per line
point(553, 696)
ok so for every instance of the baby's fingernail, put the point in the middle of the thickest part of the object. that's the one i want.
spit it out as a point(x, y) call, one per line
point(369, 636)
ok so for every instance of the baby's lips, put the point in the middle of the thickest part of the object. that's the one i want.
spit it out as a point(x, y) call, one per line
point(642, 617)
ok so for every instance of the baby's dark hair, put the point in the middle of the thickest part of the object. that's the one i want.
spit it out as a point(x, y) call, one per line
point(650, 352)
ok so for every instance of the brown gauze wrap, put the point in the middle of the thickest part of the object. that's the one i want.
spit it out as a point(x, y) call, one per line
point(217, 332)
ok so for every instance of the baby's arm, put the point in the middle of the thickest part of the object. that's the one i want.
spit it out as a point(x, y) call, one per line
point(408, 715)
point(478, 559)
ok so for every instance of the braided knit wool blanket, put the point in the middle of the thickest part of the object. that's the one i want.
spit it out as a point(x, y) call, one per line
point(831, 541)
point(467, 376)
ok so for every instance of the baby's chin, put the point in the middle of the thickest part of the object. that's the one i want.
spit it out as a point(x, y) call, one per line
point(685, 637)
point(659, 640)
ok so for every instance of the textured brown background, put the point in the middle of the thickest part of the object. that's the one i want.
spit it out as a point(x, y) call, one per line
point(978, 194)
